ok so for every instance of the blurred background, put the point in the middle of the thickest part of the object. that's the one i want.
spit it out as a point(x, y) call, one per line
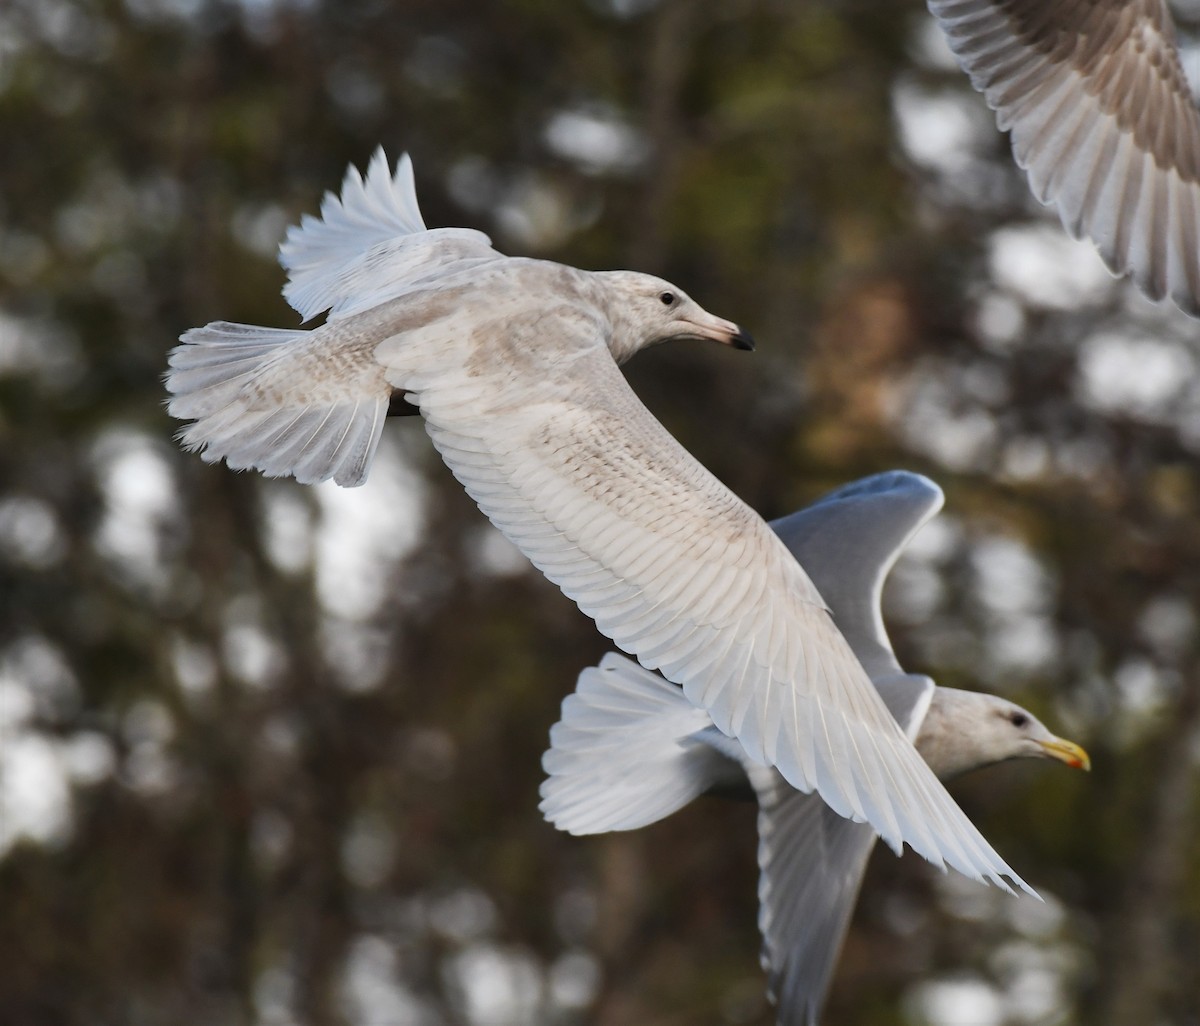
point(270, 754)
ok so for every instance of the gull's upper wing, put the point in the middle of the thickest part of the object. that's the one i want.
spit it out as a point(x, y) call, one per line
point(568, 463)
point(848, 541)
point(370, 245)
point(1103, 120)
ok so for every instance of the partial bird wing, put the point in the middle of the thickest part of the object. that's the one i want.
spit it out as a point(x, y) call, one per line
point(811, 864)
point(1103, 120)
point(370, 245)
point(569, 464)
point(907, 697)
point(623, 754)
point(849, 540)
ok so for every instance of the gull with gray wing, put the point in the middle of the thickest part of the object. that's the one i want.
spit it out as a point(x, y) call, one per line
point(630, 749)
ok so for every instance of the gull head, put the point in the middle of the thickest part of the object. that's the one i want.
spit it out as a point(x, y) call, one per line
point(966, 730)
point(646, 310)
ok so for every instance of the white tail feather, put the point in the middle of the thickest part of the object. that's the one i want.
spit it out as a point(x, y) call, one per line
point(624, 753)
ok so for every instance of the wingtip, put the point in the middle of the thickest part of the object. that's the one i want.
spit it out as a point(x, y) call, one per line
point(378, 165)
point(1023, 886)
point(1001, 876)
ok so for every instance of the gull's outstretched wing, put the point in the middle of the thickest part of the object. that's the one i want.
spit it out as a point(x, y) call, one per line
point(370, 245)
point(679, 572)
point(849, 540)
point(624, 755)
point(1103, 120)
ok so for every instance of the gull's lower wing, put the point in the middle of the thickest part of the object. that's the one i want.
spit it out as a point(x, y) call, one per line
point(811, 864)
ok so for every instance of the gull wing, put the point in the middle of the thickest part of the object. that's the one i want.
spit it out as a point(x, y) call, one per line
point(849, 540)
point(811, 864)
point(569, 465)
point(1102, 119)
point(370, 245)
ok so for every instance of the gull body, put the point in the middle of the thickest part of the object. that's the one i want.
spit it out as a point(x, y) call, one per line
point(629, 749)
point(513, 364)
point(1102, 119)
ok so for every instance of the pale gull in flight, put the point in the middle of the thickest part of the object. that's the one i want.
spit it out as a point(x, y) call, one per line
point(513, 364)
point(1103, 120)
point(630, 749)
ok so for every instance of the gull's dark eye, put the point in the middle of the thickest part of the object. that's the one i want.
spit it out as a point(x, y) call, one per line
point(1018, 719)
point(667, 298)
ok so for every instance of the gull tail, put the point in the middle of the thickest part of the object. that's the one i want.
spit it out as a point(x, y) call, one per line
point(281, 401)
point(624, 754)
